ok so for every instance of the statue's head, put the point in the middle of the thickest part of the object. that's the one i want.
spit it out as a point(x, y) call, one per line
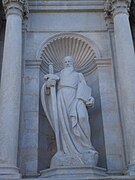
point(68, 61)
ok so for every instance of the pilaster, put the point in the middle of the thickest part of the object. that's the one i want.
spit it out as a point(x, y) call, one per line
point(125, 68)
point(10, 92)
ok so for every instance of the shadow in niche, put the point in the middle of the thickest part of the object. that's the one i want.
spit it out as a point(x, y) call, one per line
point(95, 119)
point(47, 143)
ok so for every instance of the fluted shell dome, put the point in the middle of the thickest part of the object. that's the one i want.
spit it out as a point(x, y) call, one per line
point(57, 48)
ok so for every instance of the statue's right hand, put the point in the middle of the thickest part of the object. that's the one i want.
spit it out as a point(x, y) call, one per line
point(51, 80)
point(51, 76)
point(50, 83)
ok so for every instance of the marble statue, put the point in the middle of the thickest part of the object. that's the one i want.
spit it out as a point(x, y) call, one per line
point(65, 98)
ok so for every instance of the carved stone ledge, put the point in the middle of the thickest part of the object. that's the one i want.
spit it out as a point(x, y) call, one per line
point(33, 64)
point(66, 5)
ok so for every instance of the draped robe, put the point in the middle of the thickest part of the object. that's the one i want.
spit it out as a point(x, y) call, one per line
point(72, 96)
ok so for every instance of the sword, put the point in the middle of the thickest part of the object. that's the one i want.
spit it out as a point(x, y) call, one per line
point(54, 107)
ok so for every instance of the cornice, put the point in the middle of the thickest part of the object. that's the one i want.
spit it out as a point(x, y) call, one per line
point(33, 64)
point(66, 5)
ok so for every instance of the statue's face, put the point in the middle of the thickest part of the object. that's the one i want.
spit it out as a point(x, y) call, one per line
point(68, 61)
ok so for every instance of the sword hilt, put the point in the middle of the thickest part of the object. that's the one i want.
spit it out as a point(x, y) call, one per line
point(51, 69)
point(51, 74)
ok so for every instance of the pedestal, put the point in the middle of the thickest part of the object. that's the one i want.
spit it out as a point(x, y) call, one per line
point(76, 173)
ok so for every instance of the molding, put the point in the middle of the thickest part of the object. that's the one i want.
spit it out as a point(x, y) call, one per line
point(103, 62)
point(64, 5)
point(33, 64)
point(100, 63)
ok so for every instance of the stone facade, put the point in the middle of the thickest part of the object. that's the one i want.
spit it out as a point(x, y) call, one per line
point(99, 35)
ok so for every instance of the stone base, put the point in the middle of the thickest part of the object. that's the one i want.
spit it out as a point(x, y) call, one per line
point(131, 170)
point(60, 159)
point(94, 178)
point(9, 172)
point(75, 173)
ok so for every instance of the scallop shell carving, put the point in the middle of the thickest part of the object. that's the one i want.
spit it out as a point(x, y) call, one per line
point(56, 49)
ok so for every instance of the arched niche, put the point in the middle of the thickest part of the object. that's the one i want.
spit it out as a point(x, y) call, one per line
point(87, 57)
point(57, 47)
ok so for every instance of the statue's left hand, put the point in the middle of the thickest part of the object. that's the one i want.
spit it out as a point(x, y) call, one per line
point(90, 102)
